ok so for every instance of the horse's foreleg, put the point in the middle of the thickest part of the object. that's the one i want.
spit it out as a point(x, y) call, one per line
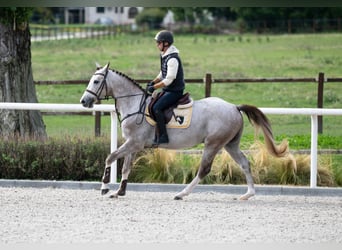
point(105, 180)
point(125, 149)
point(126, 169)
point(204, 169)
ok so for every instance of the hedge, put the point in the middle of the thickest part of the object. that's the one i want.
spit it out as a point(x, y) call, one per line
point(53, 159)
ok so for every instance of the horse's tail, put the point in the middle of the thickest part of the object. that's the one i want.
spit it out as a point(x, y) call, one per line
point(259, 119)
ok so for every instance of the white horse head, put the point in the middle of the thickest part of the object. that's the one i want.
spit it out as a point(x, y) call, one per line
point(97, 87)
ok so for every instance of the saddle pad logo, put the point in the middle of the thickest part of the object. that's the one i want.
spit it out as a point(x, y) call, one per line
point(182, 120)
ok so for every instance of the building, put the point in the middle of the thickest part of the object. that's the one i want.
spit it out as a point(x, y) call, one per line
point(72, 15)
point(111, 15)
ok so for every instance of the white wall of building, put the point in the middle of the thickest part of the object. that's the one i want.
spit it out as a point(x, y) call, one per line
point(119, 15)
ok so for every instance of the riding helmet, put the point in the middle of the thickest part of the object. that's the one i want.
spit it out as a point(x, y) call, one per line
point(164, 36)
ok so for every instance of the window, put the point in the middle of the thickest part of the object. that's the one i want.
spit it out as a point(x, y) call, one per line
point(132, 12)
point(119, 9)
point(100, 10)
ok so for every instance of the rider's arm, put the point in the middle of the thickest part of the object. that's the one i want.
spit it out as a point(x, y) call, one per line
point(158, 78)
point(172, 68)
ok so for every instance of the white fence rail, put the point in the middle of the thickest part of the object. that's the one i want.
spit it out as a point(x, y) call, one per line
point(313, 112)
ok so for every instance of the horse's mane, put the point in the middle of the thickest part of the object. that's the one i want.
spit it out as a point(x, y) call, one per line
point(128, 78)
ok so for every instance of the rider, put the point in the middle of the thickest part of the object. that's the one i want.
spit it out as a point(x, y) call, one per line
point(170, 79)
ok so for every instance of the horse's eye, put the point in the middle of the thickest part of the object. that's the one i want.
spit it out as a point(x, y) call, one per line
point(96, 82)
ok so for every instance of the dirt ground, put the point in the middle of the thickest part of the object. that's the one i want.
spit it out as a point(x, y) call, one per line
point(47, 215)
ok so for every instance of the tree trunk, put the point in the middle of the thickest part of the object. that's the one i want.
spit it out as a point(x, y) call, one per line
point(16, 82)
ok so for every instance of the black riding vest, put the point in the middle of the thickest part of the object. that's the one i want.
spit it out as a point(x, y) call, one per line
point(178, 84)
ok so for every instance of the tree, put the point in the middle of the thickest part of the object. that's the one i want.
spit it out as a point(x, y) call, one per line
point(188, 14)
point(16, 79)
point(277, 13)
point(152, 17)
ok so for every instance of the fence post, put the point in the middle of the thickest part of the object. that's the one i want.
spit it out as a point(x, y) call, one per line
point(289, 26)
point(208, 81)
point(98, 122)
point(320, 100)
point(313, 164)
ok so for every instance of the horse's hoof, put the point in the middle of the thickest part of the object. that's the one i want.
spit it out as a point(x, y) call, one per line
point(121, 193)
point(114, 196)
point(245, 197)
point(104, 191)
point(178, 198)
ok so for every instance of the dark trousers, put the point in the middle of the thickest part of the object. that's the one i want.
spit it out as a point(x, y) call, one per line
point(167, 100)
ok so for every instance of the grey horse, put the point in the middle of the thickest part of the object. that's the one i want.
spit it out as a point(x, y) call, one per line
point(215, 123)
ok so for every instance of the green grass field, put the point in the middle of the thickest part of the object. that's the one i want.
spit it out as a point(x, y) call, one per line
point(223, 56)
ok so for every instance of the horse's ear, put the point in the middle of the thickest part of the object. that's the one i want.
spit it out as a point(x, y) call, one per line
point(107, 66)
point(98, 66)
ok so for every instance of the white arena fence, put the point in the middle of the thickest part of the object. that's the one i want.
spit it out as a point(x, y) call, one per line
point(313, 112)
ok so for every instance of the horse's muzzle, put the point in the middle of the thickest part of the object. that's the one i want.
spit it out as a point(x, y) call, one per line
point(87, 102)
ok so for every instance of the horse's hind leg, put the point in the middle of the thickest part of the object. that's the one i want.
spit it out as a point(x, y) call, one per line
point(233, 149)
point(204, 169)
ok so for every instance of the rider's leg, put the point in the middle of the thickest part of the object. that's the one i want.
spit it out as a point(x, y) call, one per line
point(161, 127)
point(166, 100)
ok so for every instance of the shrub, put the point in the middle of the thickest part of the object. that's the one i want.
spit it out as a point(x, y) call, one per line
point(53, 159)
point(152, 17)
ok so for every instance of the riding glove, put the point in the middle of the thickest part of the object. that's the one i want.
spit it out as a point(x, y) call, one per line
point(150, 89)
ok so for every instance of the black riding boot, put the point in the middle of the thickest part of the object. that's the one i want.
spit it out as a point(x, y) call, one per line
point(161, 133)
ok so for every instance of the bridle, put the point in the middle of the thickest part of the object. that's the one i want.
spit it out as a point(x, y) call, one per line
point(103, 85)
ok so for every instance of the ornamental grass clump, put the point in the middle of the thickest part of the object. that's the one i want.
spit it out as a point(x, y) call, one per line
point(289, 170)
point(155, 166)
point(271, 170)
point(166, 166)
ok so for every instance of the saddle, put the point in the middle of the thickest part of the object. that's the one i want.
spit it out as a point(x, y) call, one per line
point(184, 102)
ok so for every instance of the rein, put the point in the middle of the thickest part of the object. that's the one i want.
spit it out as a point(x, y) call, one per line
point(142, 107)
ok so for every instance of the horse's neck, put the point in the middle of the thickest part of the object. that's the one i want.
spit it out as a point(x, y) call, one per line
point(128, 95)
point(128, 105)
